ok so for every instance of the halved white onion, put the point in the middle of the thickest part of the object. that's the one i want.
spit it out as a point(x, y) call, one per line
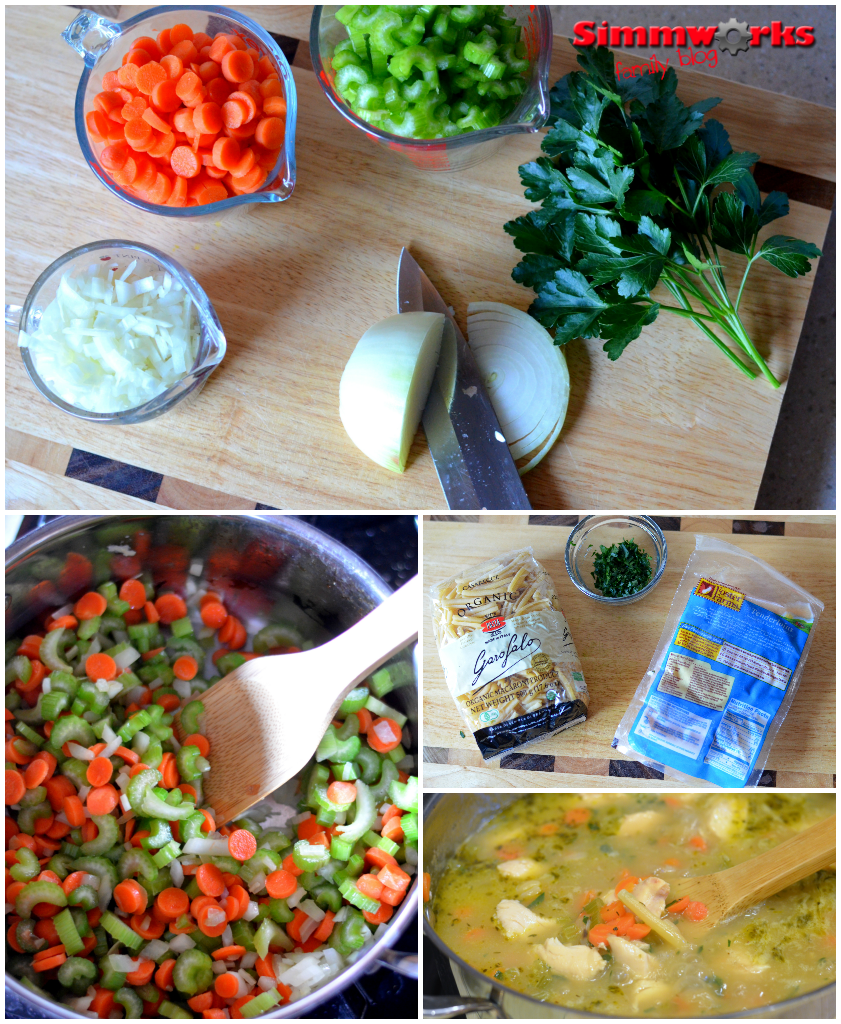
point(526, 377)
point(386, 382)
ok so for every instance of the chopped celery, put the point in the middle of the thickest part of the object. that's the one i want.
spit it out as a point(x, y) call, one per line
point(443, 57)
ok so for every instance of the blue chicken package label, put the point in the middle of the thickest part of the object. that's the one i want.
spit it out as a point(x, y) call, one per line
point(723, 680)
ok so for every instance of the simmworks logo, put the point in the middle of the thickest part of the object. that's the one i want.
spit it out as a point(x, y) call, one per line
point(586, 34)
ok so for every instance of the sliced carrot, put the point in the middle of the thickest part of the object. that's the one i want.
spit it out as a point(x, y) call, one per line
point(281, 884)
point(237, 66)
point(15, 786)
point(384, 725)
point(186, 50)
point(341, 793)
point(247, 99)
point(213, 193)
point(696, 911)
point(270, 132)
point(130, 896)
point(227, 985)
point(227, 953)
point(147, 77)
point(150, 45)
point(99, 771)
point(152, 613)
point(146, 926)
point(209, 879)
point(679, 906)
point(36, 772)
point(378, 917)
point(102, 799)
point(178, 33)
point(226, 155)
point(207, 118)
point(234, 113)
point(275, 106)
point(185, 667)
point(169, 770)
point(138, 133)
point(142, 974)
point(195, 739)
point(698, 843)
point(73, 809)
point(64, 622)
point(213, 614)
point(163, 975)
point(170, 606)
point(48, 965)
point(242, 845)
point(101, 666)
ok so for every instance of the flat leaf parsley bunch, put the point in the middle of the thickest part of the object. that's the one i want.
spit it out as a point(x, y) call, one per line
point(627, 200)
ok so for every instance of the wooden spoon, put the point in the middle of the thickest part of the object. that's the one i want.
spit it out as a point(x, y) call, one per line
point(265, 719)
point(731, 891)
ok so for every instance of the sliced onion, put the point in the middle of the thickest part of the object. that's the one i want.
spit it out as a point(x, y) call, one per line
point(386, 382)
point(127, 657)
point(525, 374)
point(312, 910)
point(81, 752)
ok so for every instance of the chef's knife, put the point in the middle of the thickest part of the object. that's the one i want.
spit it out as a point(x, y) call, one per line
point(471, 456)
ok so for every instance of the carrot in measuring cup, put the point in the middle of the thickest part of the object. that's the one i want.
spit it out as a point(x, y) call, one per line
point(178, 195)
point(270, 132)
point(156, 122)
point(149, 76)
point(207, 118)
point(179, 119)
point(113, 157)
point(237, 66)
point(184, 162)
point(226, 155)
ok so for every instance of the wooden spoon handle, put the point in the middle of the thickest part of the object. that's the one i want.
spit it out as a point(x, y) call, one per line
point(791, 861)
point(371, 641)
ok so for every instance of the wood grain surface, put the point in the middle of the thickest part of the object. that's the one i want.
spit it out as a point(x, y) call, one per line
point(296, 284)
point(615, 646)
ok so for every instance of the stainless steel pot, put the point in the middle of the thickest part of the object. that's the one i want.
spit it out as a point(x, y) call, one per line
point(277, 555)
point(450, 819)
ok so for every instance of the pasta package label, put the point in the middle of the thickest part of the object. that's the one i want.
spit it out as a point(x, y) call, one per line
point(508, 656)
point(725, 670)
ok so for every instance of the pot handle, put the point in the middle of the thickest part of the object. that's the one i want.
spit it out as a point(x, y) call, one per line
point(85, 22)
point(443, 1007)
point(401, 963)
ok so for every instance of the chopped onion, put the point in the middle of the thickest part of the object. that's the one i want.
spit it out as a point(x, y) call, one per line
point(196, 567)
point(141, 741)
point(46, 685)
point(252, 911)
point(248, 960)
point(210, 847)
point(296, 897)
point(411, 855)
point(386, 382)
point(95, 647)
point(215, 916)
point(83, 792)
point(525, 374)
point(227, 937)
point(219, 967)
point(180, 943)
point(177, 874)
point(383, 731)
point(155, 949)
point(125, 803)
point(257, 882)
point(312, 910)
point(266, 983)
point(341, 914)
point(110, 747)
point(105, 344)
point(125, 964)
point(301, 817)
point(182, 688)
point(156, 683)
point(81, 752)
point(126, 657)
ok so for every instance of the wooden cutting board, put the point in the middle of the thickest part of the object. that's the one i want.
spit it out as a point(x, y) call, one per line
point(615, 647)
point(296, 284)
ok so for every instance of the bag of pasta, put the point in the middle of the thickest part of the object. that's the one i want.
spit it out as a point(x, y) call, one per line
point(508, 656)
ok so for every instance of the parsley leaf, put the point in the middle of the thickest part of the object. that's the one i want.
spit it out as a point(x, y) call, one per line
point(790, 255)
point(567, 306)
point(734, 225)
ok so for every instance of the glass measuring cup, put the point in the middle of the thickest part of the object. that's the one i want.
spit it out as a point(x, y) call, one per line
point(119, 253)
point(459, 151)
point(114, 39)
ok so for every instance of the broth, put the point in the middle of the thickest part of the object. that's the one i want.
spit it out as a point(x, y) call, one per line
point(560, 857)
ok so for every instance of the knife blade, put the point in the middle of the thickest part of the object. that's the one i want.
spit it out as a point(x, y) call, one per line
point(471, 456)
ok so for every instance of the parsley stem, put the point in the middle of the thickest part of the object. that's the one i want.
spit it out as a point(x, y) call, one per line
point(675, 289)
point(744, 279)
point(690, 313)
point(714, 308)
point(752, 350)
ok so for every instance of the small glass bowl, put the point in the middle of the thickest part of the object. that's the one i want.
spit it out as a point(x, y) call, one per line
point(593, 531)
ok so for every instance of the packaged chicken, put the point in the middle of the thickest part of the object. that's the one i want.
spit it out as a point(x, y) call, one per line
point(725, 671)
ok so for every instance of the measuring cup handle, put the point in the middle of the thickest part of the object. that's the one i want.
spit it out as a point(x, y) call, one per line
point(84, 23)
point(13, 316)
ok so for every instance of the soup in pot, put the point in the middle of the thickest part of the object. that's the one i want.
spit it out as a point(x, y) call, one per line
point(569, 898)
